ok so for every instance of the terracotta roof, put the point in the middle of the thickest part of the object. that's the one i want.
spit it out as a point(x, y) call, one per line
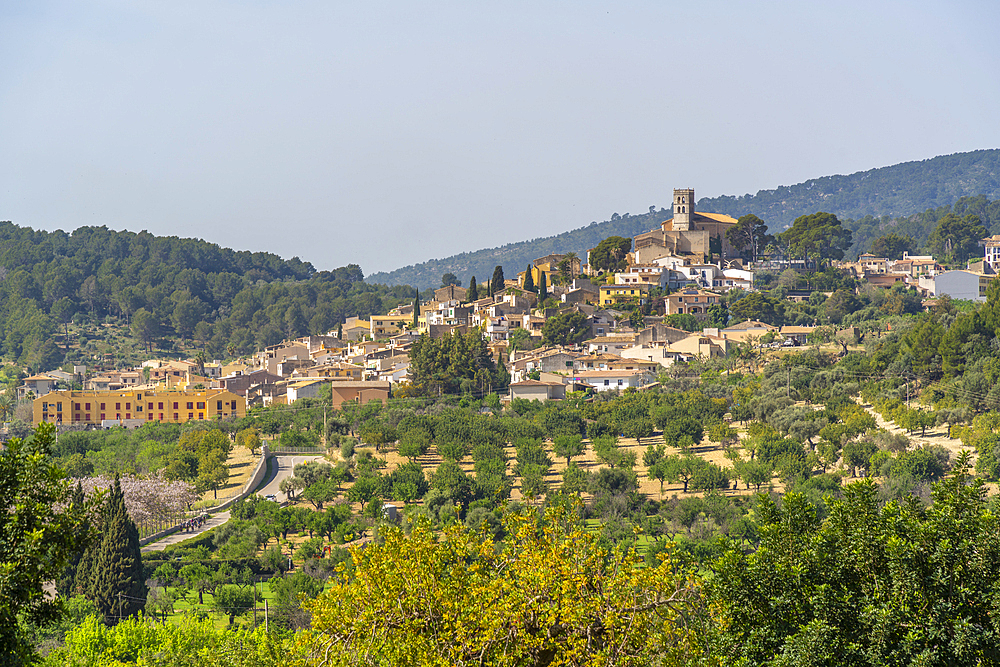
point(623, 338)
point(607, 373)
point(718, 217)
point(750, 324)
point(535, 383)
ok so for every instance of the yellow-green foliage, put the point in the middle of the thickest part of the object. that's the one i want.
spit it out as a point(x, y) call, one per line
point(550, 595)
point(137, 641)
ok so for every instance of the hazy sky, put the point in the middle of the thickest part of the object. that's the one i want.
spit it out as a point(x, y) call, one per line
point(388, 133)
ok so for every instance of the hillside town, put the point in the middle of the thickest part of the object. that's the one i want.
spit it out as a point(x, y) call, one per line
point(621, 337)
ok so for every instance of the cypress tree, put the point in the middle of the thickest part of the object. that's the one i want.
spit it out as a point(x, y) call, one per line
point(529, 280)
point(498, 282)
point(340, 331)
point(117, 586)
point(543, 288)
point(416, 311)
point(66, 585)
point(473, 294)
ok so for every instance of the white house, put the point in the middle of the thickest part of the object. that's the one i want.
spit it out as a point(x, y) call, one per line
point(661, 354)
point(957, 284)
point(610, 380)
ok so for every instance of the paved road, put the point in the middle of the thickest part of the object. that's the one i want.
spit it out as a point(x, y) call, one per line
point(181, 535)
point(281, 468)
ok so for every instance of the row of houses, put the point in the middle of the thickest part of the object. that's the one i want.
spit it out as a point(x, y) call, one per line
point(925, 275)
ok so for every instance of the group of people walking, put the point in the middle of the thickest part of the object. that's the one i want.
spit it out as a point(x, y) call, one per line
point(194, 524)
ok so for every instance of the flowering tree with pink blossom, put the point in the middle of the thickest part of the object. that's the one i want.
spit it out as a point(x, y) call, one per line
point(151, 501)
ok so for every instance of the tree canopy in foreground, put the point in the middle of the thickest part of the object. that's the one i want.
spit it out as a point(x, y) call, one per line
point(549, 595)
point(39, 530)
point(873, 584)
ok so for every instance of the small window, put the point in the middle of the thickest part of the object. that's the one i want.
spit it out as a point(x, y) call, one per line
point(175, 407)
point(190, 405)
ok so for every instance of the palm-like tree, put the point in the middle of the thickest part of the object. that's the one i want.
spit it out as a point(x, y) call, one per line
point(6, 406)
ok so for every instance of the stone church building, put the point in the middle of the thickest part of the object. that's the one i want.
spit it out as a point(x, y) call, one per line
point(688, 234)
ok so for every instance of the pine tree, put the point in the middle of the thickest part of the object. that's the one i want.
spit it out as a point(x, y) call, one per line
point(529, 280)
point(473, 294)
point(543, 287)
point(117, 585)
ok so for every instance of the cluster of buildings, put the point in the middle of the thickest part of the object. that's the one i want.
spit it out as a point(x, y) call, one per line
point(179, 391)
point(924, 274)
point(683, 263)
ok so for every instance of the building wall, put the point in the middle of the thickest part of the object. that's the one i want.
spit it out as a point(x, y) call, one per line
point(531, 393)
point(175, 407)
point(959, 285)
point(342, 393)
point(614, 294)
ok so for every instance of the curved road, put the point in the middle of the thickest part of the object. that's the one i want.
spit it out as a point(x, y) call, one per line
point(284, 465)
point(283, 470)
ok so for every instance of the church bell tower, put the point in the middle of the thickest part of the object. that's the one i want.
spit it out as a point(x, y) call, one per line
point(683, 209)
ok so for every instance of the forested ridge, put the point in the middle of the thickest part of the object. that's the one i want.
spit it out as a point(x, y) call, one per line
point(515, 256)
point(897, 190)
point(885, 193)
point(919, 228)
point(167, 289)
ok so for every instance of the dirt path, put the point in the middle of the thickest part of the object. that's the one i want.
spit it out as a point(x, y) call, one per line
point(937, 435)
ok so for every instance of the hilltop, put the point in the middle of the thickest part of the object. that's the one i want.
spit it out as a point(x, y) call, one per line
point(899, 190)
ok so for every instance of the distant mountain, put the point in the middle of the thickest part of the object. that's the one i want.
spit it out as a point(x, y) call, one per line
point(515, 257)
point(900, 190)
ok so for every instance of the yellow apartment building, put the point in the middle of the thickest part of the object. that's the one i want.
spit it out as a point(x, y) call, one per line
point(635, 294)
point(383, 326)
point(161, 405)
